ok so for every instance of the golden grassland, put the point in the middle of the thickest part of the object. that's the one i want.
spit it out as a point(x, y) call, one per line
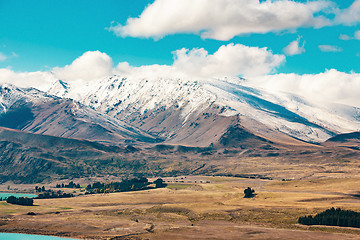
point(215, 210)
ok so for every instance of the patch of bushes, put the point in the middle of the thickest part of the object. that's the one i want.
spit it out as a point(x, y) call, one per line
point(24, 201)
point(51, 194)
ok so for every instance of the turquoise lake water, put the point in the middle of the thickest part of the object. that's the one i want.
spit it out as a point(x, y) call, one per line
point(6, 195)
point(18, 236)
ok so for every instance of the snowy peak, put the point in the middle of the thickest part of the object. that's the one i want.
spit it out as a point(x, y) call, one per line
point(59, 88)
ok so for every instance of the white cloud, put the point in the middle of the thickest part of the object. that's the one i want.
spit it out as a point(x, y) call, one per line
point(39, 80)
point(222, 19)
point(294, 48)
point(92, 65)
point(350, 15)
point(3, 57)
point(229, 60)
point(331, 86)
point(86, 68)
point(330, 48)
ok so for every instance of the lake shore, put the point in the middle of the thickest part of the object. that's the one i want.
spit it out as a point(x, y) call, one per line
point(19, 236)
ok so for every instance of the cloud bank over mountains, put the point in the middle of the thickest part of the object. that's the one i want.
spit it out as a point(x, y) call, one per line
point(330, 86)
point(229, 60)
point(224, 19)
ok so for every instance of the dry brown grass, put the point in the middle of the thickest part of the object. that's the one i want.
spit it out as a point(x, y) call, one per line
point(205, 210)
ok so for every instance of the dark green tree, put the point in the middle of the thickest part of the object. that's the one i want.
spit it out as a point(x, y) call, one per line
point(249, 193)
point(159, 183)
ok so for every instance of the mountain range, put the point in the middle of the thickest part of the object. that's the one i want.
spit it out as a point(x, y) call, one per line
point(120, 115)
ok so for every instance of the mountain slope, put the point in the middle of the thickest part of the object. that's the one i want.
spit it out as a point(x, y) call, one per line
point(34, 111)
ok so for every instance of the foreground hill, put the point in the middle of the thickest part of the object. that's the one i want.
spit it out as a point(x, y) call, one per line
point(27, 157)
point(30, 158)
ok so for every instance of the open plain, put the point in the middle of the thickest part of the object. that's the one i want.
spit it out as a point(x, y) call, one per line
point(194, 207)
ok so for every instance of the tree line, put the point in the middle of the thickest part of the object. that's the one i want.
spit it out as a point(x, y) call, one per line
point(126, 185)
point(333, 217)
point(70, 185)
point(46, 194)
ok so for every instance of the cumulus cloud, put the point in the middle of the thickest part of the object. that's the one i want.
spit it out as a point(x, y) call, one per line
point(222, 19)
point(229, 60)
point(92, 65)
point(331, 86)
point(295, 48)
point(330, 48)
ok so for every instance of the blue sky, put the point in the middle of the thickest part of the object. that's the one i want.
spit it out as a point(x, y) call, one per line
point(40, 35)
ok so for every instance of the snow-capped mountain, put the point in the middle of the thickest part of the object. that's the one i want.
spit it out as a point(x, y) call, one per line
point(169, 120)
point(191, 112)
point(37, 112)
